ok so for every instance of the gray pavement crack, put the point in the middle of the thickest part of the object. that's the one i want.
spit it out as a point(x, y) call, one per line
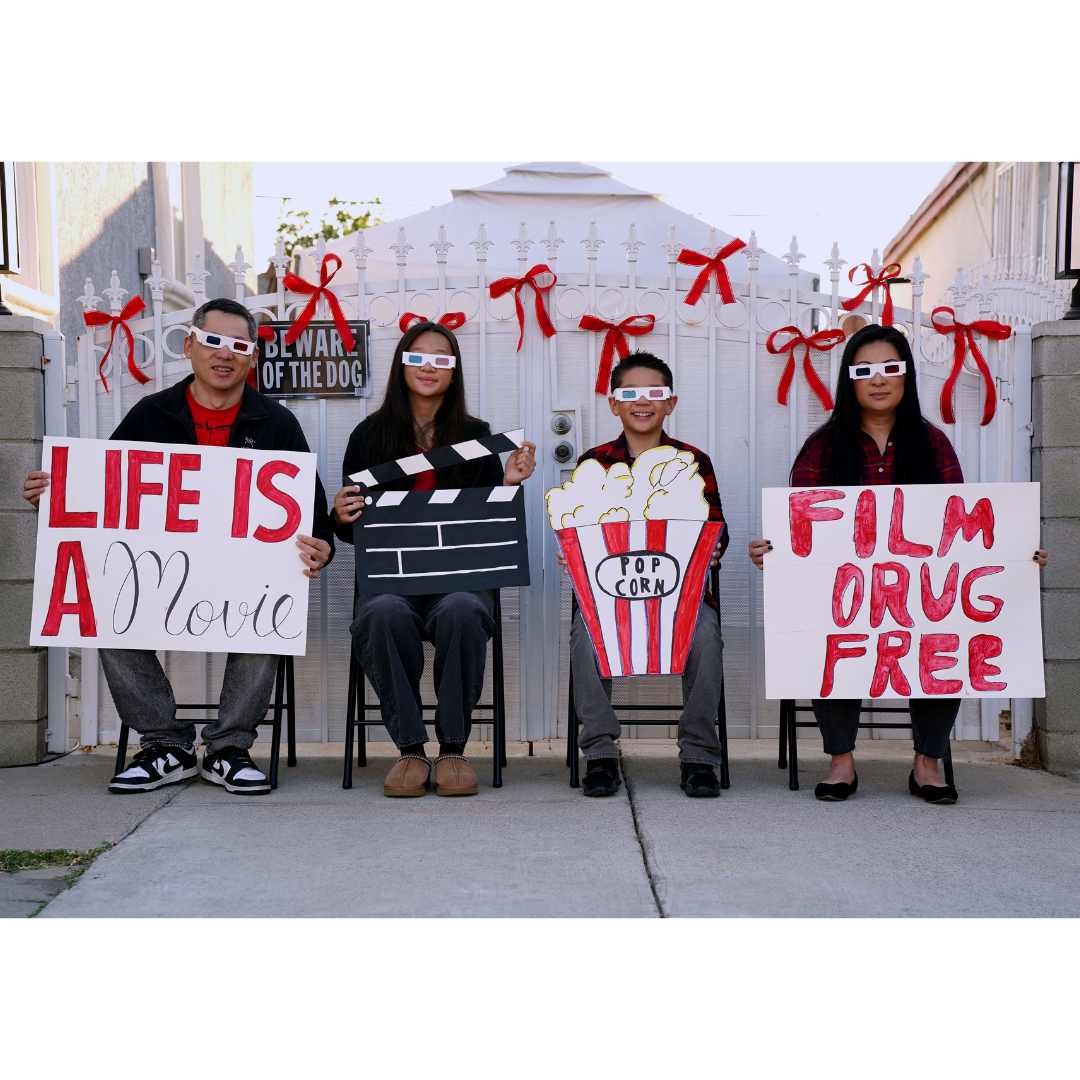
point(657, 883)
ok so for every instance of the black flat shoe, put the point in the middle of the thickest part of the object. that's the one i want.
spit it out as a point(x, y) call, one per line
point(601, 777)
point(836, 792)
point(699, 781)
point(936, 794)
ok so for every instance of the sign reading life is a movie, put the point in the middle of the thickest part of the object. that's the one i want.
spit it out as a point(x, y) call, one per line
point(316, 364)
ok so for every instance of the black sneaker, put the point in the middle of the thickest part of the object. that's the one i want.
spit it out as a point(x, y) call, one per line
point(601, 777)
point(699, 781)
point(155, 766)
point(234, 770)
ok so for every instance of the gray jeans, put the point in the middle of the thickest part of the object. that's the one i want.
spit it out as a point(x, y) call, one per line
point(702, 681)
point(932, 720)
point(389, 634)
point(144, 699)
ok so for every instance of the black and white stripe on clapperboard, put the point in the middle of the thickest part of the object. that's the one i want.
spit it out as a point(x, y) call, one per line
point(447, 540)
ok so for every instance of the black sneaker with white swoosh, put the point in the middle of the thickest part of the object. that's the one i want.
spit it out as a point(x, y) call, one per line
point(155, 766)
point(234, 770)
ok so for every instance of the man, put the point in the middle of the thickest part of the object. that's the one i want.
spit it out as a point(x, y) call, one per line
point(699, 745)
point(214, 406)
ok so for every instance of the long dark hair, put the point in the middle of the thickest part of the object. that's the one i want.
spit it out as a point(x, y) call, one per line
point(392, 431)
point(912, 452)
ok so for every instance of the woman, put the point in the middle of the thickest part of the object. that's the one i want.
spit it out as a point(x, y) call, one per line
point(878, 435)
point(424, 407)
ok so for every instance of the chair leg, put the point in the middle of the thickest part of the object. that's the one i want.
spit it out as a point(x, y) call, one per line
point(278, 706)
point(350, 720)
point(572, 739)
point(782, 760)
point(570, 718)
point(361, 746)
point(498, 684)
point(793, 748)
point(721, 723)
point(290, 707)
point(948, 767)
point(121, 749)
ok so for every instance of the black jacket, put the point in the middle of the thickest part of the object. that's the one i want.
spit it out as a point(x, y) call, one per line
point(261, 424)
point(487, 471)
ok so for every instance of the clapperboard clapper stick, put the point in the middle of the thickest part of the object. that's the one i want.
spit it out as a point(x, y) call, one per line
point(447, 540)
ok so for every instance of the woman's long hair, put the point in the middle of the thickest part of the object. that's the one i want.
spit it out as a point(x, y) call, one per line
point(392, 432)
point(912, 452)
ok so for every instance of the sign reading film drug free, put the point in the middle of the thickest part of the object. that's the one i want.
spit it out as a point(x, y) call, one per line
point(317, 364)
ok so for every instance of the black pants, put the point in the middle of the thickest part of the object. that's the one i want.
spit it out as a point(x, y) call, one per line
point(932, 720)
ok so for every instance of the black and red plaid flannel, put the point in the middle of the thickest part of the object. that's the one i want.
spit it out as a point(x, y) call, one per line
point(812, 464)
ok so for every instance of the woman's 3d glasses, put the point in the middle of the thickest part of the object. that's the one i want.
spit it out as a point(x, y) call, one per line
point(214, 341)
point(634, 393)
point(436, 360)
point(868, 371)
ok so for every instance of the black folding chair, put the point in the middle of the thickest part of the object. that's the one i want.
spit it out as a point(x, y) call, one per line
point(789, 743)
point(284, 701)
point(356, 712)
point(721, 715)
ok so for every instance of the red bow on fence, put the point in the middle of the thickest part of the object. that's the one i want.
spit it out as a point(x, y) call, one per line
point(714, 265)
point(883, 278)
point(963, 337)
point(451, 320)
point(823, 341)
point(319, 292)
point(265, 334)
point(542, 279)
point(615, 339)
point(99, 318)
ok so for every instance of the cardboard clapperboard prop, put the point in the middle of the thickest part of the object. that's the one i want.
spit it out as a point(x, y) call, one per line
point(448, 540)
point(638, 542)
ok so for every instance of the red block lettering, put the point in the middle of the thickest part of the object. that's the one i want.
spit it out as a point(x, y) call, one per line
point(937, 607)
point(893, 597)
point(845, 575)
point(136, 487)
point(59, 515)
point(957, 518)
point(980, 648)
point(897, 544)
point(930, 660)
point(834, 652)
point(113, 480)
point(970, 610)
point(802, 514)
point(264, 482)
point(178, 495)
point(866, 524)
point(69, 554)
point(888, 664)
point(241, 497)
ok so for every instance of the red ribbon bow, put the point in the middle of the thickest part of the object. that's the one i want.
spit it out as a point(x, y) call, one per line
point(451, 320)
point(99, 318)
point(963, 337)
point(882, 279)
point(823, 341)
point(319, 292)
point(615, 339)
point(714, 265)
point(542, 279)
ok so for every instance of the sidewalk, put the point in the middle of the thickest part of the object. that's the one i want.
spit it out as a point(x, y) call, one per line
point(538, 848)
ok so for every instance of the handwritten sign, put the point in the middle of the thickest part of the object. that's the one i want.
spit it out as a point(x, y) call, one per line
point(910, 591)
point(154, 546)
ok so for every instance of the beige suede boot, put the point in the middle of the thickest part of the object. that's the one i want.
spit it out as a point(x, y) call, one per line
point(408, 778)
point(454, 775)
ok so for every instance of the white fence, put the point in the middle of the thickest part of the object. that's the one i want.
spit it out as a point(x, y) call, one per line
point(727, 387)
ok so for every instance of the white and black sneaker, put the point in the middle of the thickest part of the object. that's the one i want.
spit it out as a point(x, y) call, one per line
point(155, 766)
point(234, 770)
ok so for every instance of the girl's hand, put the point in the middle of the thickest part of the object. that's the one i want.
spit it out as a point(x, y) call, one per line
point(520, 465)
point(1040, 556)
point(347, 508)
point(716, 553)
point(34, 487)
point(757, 551)
point(562, 562)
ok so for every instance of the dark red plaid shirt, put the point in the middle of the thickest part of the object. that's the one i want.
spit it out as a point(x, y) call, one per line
point(812, 464)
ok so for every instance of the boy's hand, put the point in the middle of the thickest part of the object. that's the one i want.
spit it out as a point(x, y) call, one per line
point(34, 487)
point(562, 562)
point(347, 508)
point(758, 548)
point(716, 553)
point(313, 554)
point(1040, 556)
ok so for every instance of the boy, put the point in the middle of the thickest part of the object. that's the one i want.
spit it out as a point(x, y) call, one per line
point(699, 746)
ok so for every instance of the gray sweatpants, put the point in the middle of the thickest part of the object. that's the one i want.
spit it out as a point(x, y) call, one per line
point(144, 699)
point(702, 682)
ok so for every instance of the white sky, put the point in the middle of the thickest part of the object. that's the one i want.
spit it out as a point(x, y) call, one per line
point(862, 205)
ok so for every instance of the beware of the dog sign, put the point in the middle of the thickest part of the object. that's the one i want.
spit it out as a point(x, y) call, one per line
point(316, 364)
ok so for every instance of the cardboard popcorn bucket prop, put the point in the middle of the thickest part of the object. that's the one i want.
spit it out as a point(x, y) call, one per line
point(638, 542)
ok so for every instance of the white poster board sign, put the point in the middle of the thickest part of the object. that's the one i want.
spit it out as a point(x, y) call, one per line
point(155, 546)
point(909, 591)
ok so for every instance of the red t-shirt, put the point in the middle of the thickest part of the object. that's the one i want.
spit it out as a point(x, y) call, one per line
point(424, 481)
point(212, 426)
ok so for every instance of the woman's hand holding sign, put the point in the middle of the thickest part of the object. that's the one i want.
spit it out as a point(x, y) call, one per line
point(757, 552)
point(347, 505)
point(34, 487)
point(520, 464)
